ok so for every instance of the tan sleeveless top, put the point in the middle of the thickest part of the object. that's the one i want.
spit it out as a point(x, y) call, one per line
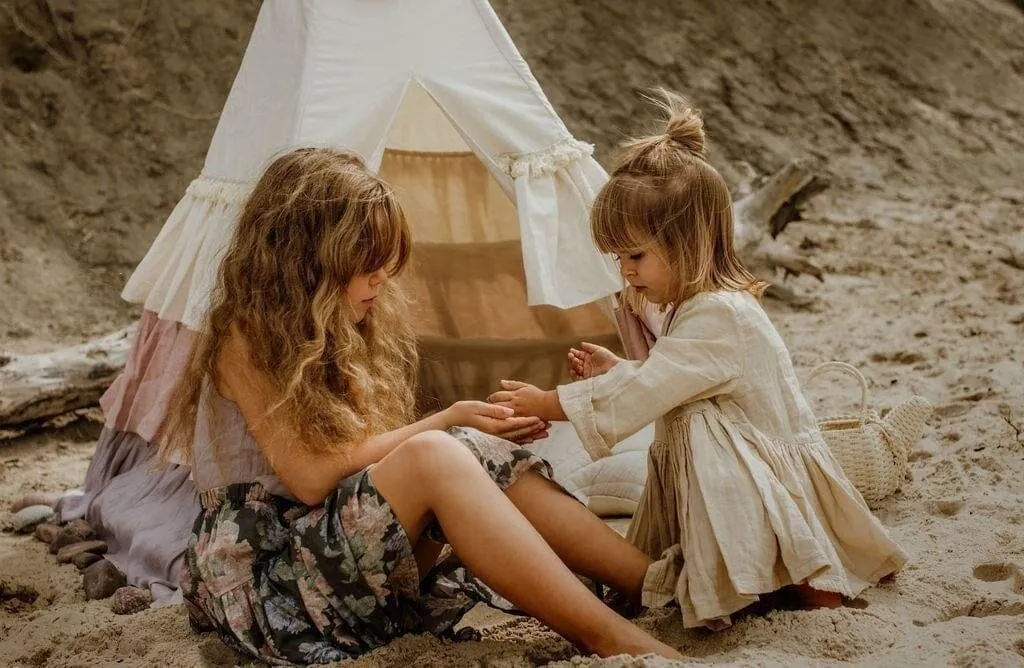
point(225, 452)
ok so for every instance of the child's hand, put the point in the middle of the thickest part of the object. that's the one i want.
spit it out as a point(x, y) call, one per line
point(592, 361)
point(527, 400)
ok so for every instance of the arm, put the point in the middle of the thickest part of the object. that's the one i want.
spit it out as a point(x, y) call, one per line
point(699, 358)
point(311, 475)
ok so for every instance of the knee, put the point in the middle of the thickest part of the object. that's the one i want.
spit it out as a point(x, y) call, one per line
point(437, 454)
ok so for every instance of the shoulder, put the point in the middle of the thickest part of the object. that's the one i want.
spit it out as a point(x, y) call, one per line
point(718, 311)
point(231, 351)
point(708, 331)
point(235, 375)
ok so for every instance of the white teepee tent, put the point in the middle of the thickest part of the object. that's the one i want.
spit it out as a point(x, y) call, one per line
point(433, 94)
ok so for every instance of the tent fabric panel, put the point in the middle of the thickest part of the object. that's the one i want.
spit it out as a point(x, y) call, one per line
point(260, 116)
point(175, 278)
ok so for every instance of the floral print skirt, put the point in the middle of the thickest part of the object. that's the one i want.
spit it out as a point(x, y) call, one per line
point(289, 583)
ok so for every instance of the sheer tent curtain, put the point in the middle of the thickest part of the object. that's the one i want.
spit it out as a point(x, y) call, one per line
point(467, 277)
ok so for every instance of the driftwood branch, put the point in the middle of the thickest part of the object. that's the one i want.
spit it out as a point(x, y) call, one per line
point(764, 213)
point(754, 212)
point(34, 387)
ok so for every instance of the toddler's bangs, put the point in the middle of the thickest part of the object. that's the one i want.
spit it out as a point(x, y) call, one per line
point(618, 219)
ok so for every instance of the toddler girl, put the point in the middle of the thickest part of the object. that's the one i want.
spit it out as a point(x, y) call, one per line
point(743, 496)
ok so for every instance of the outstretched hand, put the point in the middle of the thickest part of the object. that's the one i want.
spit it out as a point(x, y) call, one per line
point(497, 421)
point(592, 360)
point(526, 399)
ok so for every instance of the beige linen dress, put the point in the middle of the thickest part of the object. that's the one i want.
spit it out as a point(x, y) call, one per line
point(743, 495)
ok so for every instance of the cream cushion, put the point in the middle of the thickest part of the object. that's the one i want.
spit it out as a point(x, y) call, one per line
point(610, 486)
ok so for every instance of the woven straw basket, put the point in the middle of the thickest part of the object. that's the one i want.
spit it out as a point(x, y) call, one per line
point(871, 450)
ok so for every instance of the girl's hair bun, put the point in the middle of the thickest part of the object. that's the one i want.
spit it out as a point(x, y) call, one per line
point(685, 126)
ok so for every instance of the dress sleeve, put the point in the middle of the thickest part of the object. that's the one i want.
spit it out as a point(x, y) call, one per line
point(700, 357)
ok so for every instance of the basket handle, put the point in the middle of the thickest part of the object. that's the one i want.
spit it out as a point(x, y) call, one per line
point(849, 370)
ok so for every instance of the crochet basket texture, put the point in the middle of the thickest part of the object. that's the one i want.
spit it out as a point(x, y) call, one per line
point(873, 451)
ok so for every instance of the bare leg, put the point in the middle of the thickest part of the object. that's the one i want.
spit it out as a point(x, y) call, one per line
point(585, 543)
point(498, 543)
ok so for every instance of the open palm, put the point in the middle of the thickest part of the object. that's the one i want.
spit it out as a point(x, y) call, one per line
point(591, 360)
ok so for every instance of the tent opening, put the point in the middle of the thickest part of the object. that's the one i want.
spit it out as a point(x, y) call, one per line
point(466, 278)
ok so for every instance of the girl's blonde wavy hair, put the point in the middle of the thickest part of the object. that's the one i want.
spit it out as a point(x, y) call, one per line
point(663, 192)
point(316, 219)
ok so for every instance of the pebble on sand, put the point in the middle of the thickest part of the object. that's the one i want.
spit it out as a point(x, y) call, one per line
point(101, 580)
point(129, 600)
point(48, 499)
point(47, 532)
point(27, 518)
point(69, 552)
point(76, 531)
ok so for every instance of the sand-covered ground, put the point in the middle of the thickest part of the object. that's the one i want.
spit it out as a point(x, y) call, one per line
point(915, 110)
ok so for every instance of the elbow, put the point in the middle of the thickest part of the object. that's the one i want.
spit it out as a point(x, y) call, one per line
point(310, 497)
point(312, 479)
point(310, 492)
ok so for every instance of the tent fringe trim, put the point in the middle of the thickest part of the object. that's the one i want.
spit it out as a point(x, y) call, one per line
point(218, 191)
point(547, 160)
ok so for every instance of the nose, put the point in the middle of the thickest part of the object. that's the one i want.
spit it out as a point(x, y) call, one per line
point(378, 277)
point(626, 270)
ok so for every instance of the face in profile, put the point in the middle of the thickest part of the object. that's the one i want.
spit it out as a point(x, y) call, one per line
point(648, 273)
point(363, 290)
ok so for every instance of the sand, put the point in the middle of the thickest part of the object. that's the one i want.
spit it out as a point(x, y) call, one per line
point(916, 112)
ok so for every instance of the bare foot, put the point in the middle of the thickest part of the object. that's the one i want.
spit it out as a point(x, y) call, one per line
point(810, 597)
point(35, 499)
point(658, 649)
point(639, 643)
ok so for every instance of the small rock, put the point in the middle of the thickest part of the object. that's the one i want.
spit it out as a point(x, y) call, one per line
point(129, 600)
point(85, 560)
point(76, 531)
point(27, 518)
point(68, 552)
point(46, 532)
point(101, 580)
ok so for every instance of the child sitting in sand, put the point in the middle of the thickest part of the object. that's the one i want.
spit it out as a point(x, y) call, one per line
point(743, 496)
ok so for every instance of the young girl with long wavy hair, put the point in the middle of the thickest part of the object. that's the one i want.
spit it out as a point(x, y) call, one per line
point(324, 504)
point(743, 497)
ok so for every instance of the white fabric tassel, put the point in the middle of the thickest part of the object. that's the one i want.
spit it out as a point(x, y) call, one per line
point(547, 160)
point(218, 191)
